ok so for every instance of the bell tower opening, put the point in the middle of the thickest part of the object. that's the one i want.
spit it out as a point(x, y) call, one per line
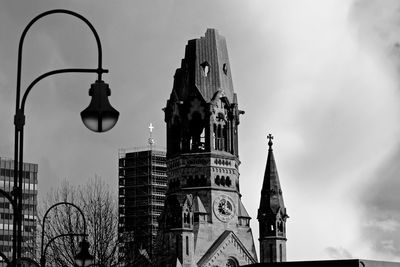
point(197, 131)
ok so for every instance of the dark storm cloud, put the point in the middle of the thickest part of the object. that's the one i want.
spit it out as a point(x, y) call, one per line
point(377, 25)
point(380, 223)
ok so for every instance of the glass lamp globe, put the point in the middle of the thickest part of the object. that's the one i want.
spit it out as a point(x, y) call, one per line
point(99, 116)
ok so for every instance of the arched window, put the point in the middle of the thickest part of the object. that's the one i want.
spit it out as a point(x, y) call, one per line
point(223, 180)
point(271, 252)
point(215, 140)
point(196, 130)
point(217, 180)
point(228, 181)
point(280, 226)
point(232, 262)
point(225, 138)
point(219, 136)
point(187, 245)
point(205, 66)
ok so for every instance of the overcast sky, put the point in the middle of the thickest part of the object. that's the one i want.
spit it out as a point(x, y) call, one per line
point(321, 76)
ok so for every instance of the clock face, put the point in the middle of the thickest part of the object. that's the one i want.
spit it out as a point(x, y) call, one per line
point(224, 208)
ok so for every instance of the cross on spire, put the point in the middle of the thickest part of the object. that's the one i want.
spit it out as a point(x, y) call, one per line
point(151, 139)
point(270, 138)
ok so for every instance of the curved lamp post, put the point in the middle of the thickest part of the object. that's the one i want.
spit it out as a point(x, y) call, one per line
point(83, 258)
point(99, 116)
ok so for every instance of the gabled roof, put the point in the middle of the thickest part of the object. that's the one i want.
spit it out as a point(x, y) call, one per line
point(226, 239)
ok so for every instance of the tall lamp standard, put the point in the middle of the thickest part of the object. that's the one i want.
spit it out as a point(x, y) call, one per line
point(99, 116)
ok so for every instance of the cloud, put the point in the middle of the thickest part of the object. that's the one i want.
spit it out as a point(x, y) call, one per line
point(380, 222)
point(333, 105)
point(377, 27)
point(385, 225)
point(377, 21)
point(388, 245)
point(338, 253)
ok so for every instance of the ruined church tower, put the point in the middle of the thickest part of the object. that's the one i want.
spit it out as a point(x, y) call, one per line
point(204, 222)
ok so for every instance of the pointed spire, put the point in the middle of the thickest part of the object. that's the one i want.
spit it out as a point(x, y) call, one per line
point(271, 193)
point(272, 213)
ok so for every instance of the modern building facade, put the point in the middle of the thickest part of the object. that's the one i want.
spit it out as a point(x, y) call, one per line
point(204, 222)
point(142, 188)
point(272, 214)
point(29, 205)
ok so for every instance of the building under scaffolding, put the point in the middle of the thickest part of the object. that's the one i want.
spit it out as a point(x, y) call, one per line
point(142, 188)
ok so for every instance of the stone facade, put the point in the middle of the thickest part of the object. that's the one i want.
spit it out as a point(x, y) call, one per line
point(204, 222)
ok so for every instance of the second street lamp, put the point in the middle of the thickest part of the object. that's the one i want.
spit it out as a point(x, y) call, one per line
point(83, 258)
point(99, 110)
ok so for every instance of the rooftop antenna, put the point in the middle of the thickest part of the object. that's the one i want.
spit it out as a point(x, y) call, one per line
point(151, 139)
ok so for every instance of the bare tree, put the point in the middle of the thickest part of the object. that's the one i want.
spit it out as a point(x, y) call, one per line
point(99, 205)
point(100, 208)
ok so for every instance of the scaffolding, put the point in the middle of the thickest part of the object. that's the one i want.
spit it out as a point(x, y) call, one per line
point(142, 189)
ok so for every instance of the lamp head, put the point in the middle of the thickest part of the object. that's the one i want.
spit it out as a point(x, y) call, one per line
point(83, 258)
point(99, 116)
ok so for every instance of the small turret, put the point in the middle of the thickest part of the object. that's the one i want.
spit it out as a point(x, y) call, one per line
point(272, 214)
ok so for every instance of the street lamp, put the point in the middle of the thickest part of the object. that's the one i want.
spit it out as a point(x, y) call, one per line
point(83, 258)
point(98, 117)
